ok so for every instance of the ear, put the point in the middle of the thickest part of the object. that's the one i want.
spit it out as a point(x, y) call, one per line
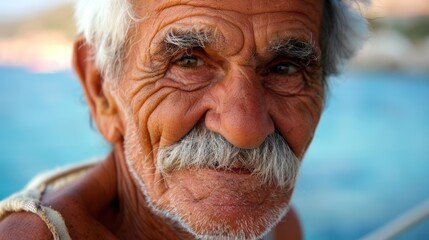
point(100, 101)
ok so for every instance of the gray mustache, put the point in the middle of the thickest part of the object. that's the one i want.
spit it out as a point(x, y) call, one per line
point(273, 162)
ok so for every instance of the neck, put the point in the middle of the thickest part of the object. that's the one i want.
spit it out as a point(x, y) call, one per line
point(135, 220)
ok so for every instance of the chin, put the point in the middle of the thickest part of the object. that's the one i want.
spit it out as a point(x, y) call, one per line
point(245, 228)
point(214, 204)
point(241, 226)
point(211, 204)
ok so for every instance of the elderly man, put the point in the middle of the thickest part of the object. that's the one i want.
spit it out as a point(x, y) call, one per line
point(209, 106)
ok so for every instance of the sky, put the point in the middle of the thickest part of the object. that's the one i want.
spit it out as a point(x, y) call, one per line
point(14, 9)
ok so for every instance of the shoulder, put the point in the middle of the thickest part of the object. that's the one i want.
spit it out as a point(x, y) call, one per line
point(80, 225)
point(79, 220)
point(24, 225)
point(79, 203)
point(82, 203)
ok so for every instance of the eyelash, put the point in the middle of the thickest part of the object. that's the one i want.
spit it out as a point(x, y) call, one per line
point(199, 61)
point(291, 67)
point(188, 53)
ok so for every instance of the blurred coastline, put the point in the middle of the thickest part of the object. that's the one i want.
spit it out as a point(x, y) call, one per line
point(399, 38)
point(39, 43)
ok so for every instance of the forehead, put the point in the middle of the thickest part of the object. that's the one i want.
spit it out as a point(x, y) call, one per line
point(242, 6)
point(240, 22)
point(310, 9)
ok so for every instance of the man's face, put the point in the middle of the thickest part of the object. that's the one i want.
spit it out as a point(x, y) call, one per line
point(241, 69)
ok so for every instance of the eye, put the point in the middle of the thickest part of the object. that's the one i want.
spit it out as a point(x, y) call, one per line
point(284, 69)
point(189, 61)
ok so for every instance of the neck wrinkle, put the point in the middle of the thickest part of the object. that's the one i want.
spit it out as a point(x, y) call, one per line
point(135, 220)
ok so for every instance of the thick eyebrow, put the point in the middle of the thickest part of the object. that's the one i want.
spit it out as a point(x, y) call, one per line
point(176, 40)
point(294, 48)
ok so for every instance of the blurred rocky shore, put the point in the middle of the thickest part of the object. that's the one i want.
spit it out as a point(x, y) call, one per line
point(41, 42)
point(395, 43)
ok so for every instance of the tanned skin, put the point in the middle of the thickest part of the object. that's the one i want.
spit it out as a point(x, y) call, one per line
point(234, 86)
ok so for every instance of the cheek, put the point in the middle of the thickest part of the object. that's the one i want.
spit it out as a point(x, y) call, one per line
point(191, 79)
point(166, 108)
point(169, 115)
point(296, 118)
point(175, 116)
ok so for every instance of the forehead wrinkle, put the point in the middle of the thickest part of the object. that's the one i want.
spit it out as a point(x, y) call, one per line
point(221, 7)
point(298, 25)
point(222, 24)
point(248, 15)
point(288, 16)
point(212, 33)
point(218, 38)
point(196, 9)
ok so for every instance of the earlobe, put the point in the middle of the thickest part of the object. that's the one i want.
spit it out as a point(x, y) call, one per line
point(100, 101)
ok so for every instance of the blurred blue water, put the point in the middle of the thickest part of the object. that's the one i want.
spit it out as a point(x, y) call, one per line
point(369, 160)
point(43, 123)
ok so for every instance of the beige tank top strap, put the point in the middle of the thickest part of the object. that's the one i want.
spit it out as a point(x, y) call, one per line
point(29, 200)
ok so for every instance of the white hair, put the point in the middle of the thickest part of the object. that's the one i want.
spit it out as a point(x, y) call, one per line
point(105, 25)
point(344, 30)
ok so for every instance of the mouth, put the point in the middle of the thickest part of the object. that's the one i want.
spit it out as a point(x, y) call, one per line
point(234, 170)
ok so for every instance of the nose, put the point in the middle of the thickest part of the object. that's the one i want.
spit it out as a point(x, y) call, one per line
point(240, 112)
